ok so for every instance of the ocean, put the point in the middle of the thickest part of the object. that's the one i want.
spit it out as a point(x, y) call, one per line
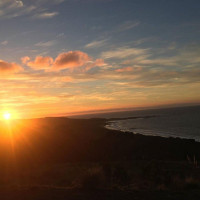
point(183, 122)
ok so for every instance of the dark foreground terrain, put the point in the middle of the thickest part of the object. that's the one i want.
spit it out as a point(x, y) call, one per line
point(61, 158)
point(75, 194)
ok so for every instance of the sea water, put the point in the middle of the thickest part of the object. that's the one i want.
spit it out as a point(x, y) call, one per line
point(183, 122)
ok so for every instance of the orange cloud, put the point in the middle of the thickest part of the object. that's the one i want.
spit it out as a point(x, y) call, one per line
point(25, 59)
point(126, 69)
point(71, 59)
point(39, 62)
point(96, 63)
point(99, 62)
point(9, 68)
point(65, 60)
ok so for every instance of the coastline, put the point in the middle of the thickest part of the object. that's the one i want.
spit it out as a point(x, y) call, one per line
point(127, 124)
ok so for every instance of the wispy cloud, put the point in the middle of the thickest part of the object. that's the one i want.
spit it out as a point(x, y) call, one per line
point(4, 42)
point(13, 8)
point(45, 15)
point(46, 44)
point(125, 69)
point(123, 52)
point(60, 35)
point(35, 9)
point(96, 44)
point(127, 25)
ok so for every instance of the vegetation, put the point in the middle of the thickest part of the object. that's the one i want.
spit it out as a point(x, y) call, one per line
point(81, 155)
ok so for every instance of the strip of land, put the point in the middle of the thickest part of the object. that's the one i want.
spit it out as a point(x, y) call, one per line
point(68, 157)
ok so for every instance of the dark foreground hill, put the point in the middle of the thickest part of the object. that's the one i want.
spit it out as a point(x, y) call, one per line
point(58, 140)
point(70, 157)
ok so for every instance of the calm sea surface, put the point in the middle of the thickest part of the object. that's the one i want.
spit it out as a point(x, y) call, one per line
point(181, 122)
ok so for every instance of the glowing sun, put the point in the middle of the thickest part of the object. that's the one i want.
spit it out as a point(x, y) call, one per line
point(7, 116)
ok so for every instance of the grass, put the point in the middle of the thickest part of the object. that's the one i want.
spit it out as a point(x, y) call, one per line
point(137, 175)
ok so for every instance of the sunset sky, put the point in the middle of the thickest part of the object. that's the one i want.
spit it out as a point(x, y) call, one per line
point(64, 56)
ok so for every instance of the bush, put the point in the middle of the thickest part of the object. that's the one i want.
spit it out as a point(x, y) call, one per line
point(93, 179)
point(120, 176)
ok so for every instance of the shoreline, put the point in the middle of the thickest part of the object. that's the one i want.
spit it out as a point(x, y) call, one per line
point(112, 124)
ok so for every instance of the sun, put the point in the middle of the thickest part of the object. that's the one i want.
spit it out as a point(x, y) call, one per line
point(7, 116)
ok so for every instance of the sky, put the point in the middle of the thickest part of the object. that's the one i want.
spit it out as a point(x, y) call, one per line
point(59, 57)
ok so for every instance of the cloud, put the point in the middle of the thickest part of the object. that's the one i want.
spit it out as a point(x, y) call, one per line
point(45, 15)
point(96, 63)
point(14, 8)
point(46, 44)
point(25, 59)
point(99, 62)
point(71, 59)
point(123, 52)
point(133, 76)
point(96, 44)
point(125, 69)
point(65, 60)
point(127, 25)
point(60, 35)
point(35, 9)
point(141, 67)
point(9, 68)
point(39, 62)
point(19, 3)
point(4, 42)
point(173, 61)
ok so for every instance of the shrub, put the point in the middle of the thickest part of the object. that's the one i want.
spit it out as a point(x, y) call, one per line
point(120, 176)
point(93, 179)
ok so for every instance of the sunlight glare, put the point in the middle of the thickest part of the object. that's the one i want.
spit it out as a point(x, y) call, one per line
point(7, 116)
